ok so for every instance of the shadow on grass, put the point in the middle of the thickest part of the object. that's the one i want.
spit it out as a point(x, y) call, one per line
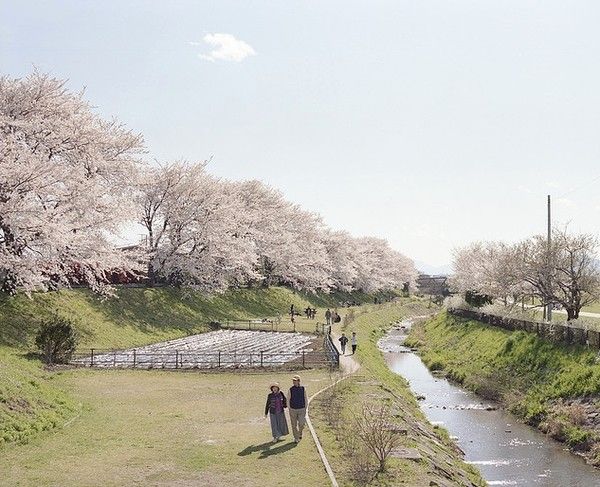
point(267, 449)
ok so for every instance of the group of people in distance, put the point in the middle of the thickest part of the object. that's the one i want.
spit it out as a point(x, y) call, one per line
point(276, 405)
point(310, 313)
point(332, 317)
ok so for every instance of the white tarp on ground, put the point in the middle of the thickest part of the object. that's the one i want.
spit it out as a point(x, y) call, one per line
point(223, 348)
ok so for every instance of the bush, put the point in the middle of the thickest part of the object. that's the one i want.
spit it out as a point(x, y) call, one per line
point(477, 300)
point(373, 425)
point(57, 340)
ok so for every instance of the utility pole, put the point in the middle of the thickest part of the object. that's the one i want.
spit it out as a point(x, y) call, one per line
point(549, 312)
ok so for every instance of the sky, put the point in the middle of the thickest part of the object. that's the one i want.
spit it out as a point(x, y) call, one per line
point(432, 123)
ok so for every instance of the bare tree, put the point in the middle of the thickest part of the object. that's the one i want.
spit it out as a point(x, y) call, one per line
point(373, 426)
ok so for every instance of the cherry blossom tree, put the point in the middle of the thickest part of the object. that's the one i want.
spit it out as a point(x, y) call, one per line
point(69, 180)
point(289, 240)
point(196, 232)
point(488, 268)
point(380, 267)
point(342, 251)
point(66, 179)
point(566, 273)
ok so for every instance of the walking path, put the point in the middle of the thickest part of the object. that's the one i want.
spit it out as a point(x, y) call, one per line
point(588, 314)
point(348, 366)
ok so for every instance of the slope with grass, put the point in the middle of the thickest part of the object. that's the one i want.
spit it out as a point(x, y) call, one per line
point(554, 387)
point(436, 460)
point(139, 316)
point(30, 400)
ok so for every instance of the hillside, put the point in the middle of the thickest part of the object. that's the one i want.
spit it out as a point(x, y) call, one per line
point(30, 401)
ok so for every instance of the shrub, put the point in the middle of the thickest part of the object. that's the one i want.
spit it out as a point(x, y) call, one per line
point(575, 414)
point(508, 346)
point(56, 340)
point(373, 425)
point(477, 300)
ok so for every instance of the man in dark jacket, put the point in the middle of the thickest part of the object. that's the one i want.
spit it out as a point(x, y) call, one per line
point(343, 340)
point(297, 408)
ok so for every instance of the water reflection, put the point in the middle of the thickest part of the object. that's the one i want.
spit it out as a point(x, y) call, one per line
point(506, 452)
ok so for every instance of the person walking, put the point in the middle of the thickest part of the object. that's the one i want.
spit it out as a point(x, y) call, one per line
point(276, 404)
point(343, 340)
point(354, 342)
point(328, 316)
point(297, 401)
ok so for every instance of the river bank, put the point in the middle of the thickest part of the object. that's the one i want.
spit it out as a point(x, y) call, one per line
point(425, 455)
point(505, 451)
point(555, 388)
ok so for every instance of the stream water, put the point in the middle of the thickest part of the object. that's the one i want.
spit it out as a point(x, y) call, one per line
point(505, 452)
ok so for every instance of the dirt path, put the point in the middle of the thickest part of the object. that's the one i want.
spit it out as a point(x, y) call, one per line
point(348, 366)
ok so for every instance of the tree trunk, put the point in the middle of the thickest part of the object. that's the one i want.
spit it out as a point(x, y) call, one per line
point(151, 275)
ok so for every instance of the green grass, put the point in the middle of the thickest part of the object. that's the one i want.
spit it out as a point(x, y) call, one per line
point(376, 380)
point(90, 427)
point(528, 374)
point(30, 401)
point(166, 428)
point(141, 316)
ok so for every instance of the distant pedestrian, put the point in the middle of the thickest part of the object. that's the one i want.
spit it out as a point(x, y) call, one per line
point(354, 342)
point(328, 316)
point(276, 404)
point(307, 312)
point(297, 401)
point(343, 340)
point(313, 313)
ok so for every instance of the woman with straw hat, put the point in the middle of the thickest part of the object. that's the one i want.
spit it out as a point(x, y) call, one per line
point(276, 404)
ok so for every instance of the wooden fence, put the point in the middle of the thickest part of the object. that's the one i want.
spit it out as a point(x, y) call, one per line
point(555, 332)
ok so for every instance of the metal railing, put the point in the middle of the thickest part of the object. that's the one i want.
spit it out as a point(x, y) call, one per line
point(331, 350)
point(178, 359)
point(267, 325)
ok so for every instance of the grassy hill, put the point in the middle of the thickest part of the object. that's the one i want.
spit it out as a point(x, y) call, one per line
point(139, 316)
point(30, 401)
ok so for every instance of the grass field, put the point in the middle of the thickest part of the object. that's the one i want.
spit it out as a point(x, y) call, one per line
point(32, 400)
point(165, 428)
point(85, 427)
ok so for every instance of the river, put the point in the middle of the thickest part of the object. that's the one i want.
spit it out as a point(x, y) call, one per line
point(505, 452)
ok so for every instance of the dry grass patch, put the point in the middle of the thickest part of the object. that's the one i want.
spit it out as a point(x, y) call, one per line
point(166, 428)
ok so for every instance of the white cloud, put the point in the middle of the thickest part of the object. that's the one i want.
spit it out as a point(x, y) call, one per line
point(566, 202)
point(524, 189)
point(226, 48)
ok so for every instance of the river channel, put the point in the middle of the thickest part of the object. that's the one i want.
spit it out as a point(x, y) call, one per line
point(505, 452)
